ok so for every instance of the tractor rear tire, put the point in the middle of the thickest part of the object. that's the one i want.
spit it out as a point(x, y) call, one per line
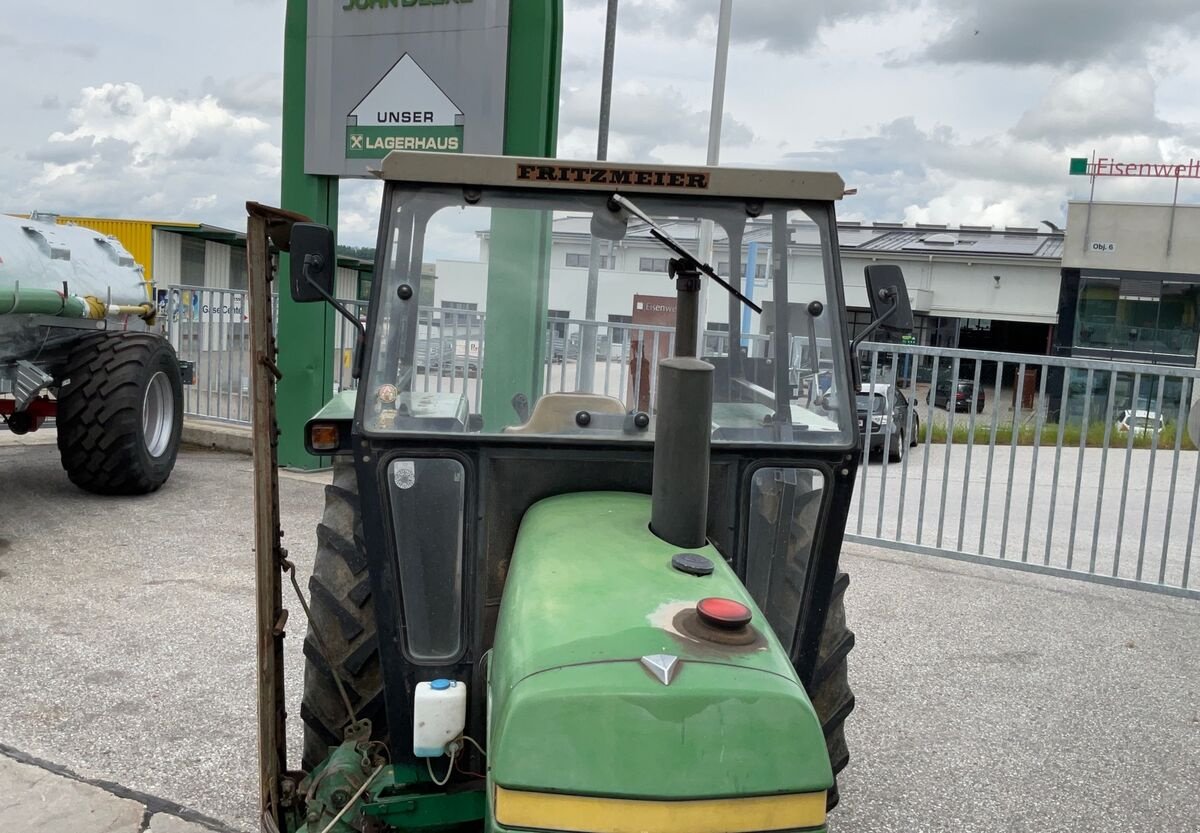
point(830, 688)
point(120, 413)
point(343, 612)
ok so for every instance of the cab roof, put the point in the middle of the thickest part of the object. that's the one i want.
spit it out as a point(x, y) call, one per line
point(528, 172)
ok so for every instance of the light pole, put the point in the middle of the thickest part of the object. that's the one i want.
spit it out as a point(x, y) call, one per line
point(587, 337)
point(714, 157)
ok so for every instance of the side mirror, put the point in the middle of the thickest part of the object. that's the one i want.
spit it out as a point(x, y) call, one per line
point(888, 295)
point(314, 263)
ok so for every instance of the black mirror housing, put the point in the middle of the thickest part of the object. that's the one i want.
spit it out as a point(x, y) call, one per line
point(885, 287)
point(314, 263)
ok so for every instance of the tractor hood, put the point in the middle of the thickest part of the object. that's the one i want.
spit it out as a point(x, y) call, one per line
point(603, 682)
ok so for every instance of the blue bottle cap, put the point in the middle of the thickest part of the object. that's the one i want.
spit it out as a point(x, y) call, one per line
point(441, 685)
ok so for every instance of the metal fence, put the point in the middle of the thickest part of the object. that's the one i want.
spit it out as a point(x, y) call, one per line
point(210, 328)
point(1062, 466)
point(1052, 465)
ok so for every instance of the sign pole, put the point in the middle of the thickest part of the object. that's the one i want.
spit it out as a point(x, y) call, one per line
point(305, 331)
point(1087, 225)
point(587, 339)
point(515, 353)
point(364, 79)
point(715, 115)
point(1171, 230)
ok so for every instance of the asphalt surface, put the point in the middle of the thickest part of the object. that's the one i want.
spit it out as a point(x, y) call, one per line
point(987, 699)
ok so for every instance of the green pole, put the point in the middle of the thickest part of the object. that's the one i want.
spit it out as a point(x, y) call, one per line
point(515, 350)
point(304, 331)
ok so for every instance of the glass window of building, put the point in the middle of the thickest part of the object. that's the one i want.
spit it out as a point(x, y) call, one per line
point(237, 268)
point(760, 269)
point(579, 259)
point(1146, 317)
point(191, 261)
point(617, 334)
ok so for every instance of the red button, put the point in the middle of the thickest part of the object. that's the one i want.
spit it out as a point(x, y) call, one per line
point(723, 613)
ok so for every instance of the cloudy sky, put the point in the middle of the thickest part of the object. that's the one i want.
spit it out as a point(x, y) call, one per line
point(959, 111)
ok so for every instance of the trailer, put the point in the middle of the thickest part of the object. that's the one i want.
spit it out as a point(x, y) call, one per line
point(79, 345)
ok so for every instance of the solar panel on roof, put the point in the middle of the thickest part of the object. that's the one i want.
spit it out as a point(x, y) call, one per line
point(984, 244)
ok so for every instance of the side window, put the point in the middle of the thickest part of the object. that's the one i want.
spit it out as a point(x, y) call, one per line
point(783, 521)
point(427, 497)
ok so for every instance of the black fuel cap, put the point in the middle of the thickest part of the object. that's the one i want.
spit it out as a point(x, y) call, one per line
point(692, 564)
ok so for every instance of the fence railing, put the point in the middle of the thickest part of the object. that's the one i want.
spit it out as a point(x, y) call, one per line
point(210, 328)
point(1054, 465)
point(1066, 466)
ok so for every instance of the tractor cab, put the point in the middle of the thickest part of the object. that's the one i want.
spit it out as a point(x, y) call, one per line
point(579, 564)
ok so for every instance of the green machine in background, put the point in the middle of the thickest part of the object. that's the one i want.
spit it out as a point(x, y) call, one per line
point(362, 78)
point(587, 615)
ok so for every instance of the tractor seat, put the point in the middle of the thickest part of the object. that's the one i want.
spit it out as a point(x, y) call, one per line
point(555, 413)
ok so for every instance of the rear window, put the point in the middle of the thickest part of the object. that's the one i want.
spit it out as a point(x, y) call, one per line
point(864, 403)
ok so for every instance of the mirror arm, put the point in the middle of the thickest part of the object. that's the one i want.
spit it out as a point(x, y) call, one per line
point(875, 325)
point(356, 371)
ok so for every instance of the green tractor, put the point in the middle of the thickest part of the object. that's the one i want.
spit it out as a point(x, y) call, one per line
point(539, 603)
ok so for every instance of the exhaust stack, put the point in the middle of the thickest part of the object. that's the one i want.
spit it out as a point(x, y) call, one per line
point(679, 501)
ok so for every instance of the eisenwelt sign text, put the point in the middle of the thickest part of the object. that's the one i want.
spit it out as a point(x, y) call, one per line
point(1105, 166)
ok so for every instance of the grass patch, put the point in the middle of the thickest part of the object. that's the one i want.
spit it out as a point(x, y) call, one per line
point(1073, 435)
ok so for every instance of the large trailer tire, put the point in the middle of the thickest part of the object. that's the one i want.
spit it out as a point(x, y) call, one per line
point(830, 688)
point(343, 612)
point(120, 413)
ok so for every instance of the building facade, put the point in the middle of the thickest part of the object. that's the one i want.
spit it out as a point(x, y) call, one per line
point(1131, 283)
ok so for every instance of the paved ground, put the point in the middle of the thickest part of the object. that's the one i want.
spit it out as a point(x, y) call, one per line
point(40, 797)
point(987, 699)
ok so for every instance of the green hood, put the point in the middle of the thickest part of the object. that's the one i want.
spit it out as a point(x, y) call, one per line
point(590, 592)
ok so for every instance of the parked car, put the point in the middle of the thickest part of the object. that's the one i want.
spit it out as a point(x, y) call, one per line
point(1144, 424)
point(883, 416)
point(962, 394)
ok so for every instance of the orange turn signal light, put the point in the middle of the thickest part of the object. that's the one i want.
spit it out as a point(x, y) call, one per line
point(323, 437)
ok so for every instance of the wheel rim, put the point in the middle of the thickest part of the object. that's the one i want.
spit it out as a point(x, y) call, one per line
point(158, 414)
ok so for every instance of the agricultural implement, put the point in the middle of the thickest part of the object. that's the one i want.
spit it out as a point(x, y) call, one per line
point(78, 344)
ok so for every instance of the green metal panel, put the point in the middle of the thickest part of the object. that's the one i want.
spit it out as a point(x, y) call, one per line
point(305, 331)
point(590, 590)
point(521, 248)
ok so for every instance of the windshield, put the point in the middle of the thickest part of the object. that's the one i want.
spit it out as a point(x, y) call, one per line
point(875, 403)
point(516, 312)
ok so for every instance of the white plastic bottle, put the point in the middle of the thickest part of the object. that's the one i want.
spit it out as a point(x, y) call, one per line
point(439, 716)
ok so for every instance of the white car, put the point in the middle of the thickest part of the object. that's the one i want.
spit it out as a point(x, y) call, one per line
point(1142, 423)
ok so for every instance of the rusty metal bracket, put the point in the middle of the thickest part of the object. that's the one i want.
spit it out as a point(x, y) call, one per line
point(267, 230)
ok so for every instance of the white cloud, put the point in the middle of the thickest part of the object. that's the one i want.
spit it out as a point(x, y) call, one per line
point(158, 129)
point(1096, 103)
point(124, 153)
point(780, 26)
point(1061, 32)
point(645, 120)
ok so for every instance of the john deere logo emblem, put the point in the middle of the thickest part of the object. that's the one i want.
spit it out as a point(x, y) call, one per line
point(662, 666)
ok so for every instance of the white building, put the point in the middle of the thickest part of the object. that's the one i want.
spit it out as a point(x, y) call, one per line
point(969, 286)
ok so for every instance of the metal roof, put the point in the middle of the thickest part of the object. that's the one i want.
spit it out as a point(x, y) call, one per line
point(974, 242)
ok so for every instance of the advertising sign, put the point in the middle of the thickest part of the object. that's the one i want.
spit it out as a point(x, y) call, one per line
point(646, 348)
point(1104, 166)
point(386, 75)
